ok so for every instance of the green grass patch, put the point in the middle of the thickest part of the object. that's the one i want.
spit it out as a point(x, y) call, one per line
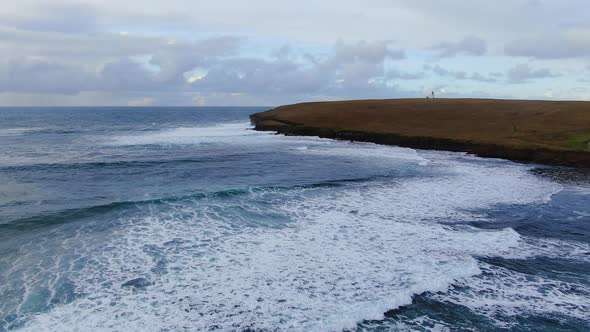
point(579, 142)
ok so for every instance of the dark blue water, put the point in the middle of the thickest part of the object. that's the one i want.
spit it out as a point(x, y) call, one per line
point(174, 219)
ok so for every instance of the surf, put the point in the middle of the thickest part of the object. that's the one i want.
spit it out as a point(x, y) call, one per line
point(164, 222)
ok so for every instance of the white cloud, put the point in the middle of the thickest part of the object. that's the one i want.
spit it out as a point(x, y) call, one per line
point(147, 101)
point(470, 45)
point(175, 50)
point(355, 68)
point(569, 94)
point(571, 43)
point(463, 75)
point(523, 73)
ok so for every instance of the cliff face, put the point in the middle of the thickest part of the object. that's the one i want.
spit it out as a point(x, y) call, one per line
point(555, 133)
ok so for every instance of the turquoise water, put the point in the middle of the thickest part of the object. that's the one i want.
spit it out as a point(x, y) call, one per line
point(184, 219)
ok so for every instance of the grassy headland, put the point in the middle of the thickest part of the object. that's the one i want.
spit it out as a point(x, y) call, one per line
point(550, 132)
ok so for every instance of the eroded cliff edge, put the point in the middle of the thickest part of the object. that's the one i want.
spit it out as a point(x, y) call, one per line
point(546, 132)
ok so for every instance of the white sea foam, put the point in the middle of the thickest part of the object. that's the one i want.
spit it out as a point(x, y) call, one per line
point(552, 248)
point(346, 254)
point(502, 294)
point(407, 324)
point(365, 150)
point(18, 131)
point(242, 133)
point(222, 133)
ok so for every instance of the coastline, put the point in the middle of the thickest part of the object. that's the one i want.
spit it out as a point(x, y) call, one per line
point(345, 121)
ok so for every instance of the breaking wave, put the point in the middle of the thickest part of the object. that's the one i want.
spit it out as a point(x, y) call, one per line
point(308, 258)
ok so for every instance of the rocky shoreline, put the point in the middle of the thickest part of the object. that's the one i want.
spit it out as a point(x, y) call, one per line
point(274, 120)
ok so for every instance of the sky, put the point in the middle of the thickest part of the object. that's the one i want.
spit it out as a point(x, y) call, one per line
point(271, 52)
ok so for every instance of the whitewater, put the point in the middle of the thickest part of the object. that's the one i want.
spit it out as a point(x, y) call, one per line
point(183, 219)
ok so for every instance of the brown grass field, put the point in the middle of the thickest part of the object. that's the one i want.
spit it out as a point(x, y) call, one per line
point(556, 132)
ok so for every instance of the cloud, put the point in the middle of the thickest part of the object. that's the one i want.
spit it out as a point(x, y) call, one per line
point(147, 101)
point(571, 43)
point(180, 51)
point(38, 76)
point(576, 93)
point(481, 78)
point(469, 45)
point(462, 75)
point(523, 73)
point(444, 72)
point(56, 17)
point(350, 68)
point(128, 75)
point(49, 44)
point(364, 51)
point(533, 3)
point(175, 59)
point(67, 64)
point(213, 67)
point(403, 75)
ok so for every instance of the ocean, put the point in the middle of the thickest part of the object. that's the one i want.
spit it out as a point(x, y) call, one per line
point(185, 219)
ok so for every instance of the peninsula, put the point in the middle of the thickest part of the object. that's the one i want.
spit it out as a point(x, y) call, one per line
point(547, 132)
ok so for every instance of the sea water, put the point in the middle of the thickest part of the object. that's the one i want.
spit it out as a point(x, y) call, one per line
point(185, 219)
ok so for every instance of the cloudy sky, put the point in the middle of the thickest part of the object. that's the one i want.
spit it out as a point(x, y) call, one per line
point(270, 52)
